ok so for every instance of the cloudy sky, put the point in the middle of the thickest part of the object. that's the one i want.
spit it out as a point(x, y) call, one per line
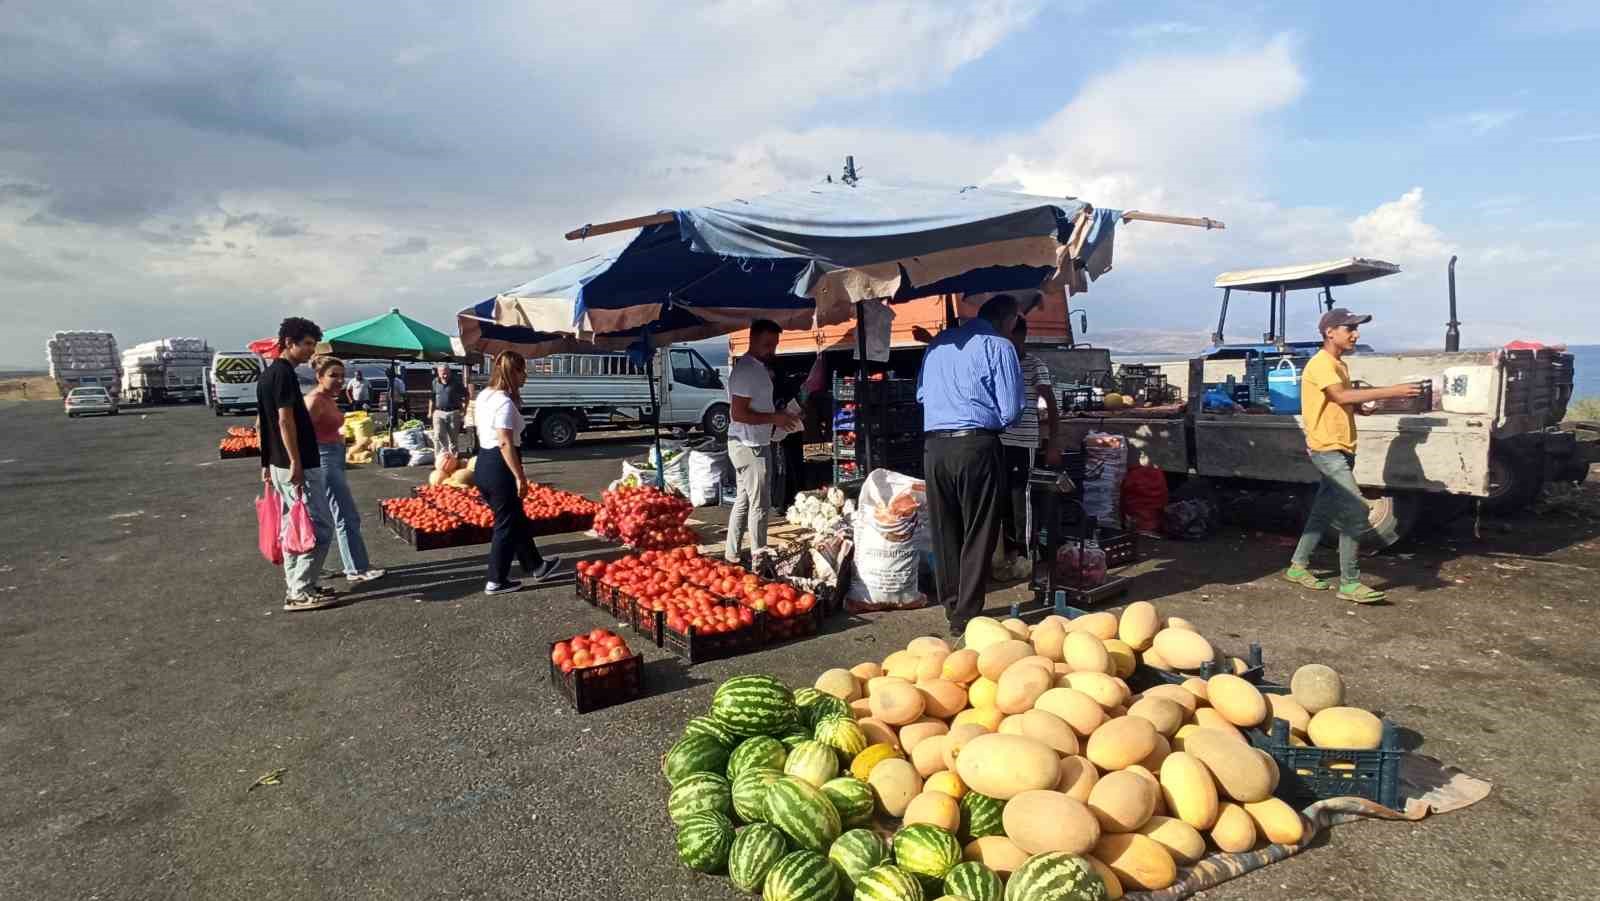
point(173, 167)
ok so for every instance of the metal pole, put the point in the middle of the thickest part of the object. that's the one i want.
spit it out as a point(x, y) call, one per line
point(1222, 318)
point(655, 418)
point(1283, 317)
point(1452, 332)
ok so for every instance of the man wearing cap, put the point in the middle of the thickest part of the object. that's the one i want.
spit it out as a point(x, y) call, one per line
point(1328, 405)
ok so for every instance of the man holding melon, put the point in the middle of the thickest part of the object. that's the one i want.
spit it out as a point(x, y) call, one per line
point(1328, 405)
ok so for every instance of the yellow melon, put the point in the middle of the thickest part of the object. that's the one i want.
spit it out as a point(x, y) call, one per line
point(913, 734)
point(1123, 659)
point(1106, 691)
point(1075, 708)
point(901, 665)
point(1048, 638)
point(1189, 790)
point(1276, 821)
point(1044, 821)
point(930, 666)
point(1122, 801)
point(928, 644)
point(1208, 718)
point(1177, 695)
point(983, 631)
point(935, 809)
point(1234, 831)
point(942, 698)
point(866, 672)
point(981, 693)
point(987, 717)
point(1182, 649)
point(994, 659)
point(839, 683)
point(946, 782)
point(1078, 777)
point(928, 754)
point(1317, 687)
point(1345, 727)
point(1289, 710)
point(1155, 758)
point(1139, 624)
point(1113, 884)
point(896, 702)
point(1101, 625)
point(879, 732)
point(1163, 713)
point(1120, 742)
point(1238, 771)
point(1003, 766)
point(959, 735)
point(996, 852)
point(895, 782)
point(1046, 727)
point(1138, 860)
point(1196, 686)
point(1085, 653)
point(1239, 702)
point(1182, 841)
point(1019, 686)
point(961, 667)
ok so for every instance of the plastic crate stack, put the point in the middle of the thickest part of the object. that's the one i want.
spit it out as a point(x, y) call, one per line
point(879, 427)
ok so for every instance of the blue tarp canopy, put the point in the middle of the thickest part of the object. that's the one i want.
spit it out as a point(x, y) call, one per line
point(799, 257)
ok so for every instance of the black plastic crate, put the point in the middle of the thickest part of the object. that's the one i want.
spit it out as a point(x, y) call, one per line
point(1255, 673)
point(587, 588)
point(424, 541)
point(889, 391)
point(699, 647)
point(238, 454)
point(1080, 398)
point(639, 618)
point(604, 685)
point(1309, 774)
point(777, 631)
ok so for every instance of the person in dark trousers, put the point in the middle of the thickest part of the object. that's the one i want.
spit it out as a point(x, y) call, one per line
point(500, 478)
point(1020, 444)
point(445, 407)
point(971, 390)
point(1328, 405)
point(291, 465)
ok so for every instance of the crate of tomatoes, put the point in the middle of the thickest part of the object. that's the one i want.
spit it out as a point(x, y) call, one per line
point(420, 524)
point(663, 604)
point(554, 511)
point(596, 670)
point(642, 516)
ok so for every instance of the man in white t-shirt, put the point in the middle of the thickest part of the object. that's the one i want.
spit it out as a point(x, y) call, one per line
point(751, 408)
point(1020, 443)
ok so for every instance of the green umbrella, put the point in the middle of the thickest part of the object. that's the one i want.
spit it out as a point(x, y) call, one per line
point(390, 336)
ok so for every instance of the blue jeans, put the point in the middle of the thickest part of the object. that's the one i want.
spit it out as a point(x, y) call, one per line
point(301, 571)
point(346, 518)
point(1338, 505)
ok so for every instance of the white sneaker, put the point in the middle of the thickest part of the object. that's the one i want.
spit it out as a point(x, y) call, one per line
point(367, 576)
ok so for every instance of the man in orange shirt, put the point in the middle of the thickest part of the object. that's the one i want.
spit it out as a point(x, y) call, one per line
point(1328, 405)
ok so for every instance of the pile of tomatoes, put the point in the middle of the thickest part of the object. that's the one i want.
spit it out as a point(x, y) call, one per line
point(543, 503)
point(459, 502)
point(592, 648)
point(682, 577)
point(644, 517)
point(420, 515)
point(240, 441)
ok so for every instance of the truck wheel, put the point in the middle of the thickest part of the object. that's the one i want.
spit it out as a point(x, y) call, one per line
point(558, 430)
point(217, 410)
point(715, 422)
point(1514, 482)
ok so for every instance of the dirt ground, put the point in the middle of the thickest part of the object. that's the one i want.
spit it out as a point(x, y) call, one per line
point(28, 387)
point(148, 677)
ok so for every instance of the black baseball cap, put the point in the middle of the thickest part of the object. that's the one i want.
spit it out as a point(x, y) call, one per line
point(1340, 316)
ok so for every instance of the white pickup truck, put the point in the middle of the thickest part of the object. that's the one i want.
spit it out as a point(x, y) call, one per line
point(569, 393)
point(1502, 455)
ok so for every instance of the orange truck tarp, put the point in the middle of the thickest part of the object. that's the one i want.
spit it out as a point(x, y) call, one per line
point(1048, 320)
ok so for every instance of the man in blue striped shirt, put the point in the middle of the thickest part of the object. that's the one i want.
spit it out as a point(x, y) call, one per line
point(971, 390)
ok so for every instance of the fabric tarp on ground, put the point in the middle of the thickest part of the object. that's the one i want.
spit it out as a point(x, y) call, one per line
point(1427, 786)
point(800, 257)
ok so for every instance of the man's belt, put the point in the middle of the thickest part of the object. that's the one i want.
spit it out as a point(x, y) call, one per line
point(961, 433)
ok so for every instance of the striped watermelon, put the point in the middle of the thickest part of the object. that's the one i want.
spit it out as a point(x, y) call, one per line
point(754, 705)
point(695, 754)
point(1056, 876)
point(803, 812)
point(974, 881)
point(750, 793)
point(801, 876)
point(852, 798)
point(755, 850)
point(926, 850)
point(858, 851)
point(757, 751)
point(704, 840)
point(823, 707)
point(705, 725)
point(887, 882)
point(796, 739)
point(980, 816)
point(843, 735)
point(699, 792)
point(805, 697)
point(812, 761)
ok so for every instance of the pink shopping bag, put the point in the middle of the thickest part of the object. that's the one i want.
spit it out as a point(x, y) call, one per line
point(300, 537)
point(269, 525)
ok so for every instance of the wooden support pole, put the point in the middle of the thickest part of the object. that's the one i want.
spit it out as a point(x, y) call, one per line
point(620, 225)
point(1201, 222)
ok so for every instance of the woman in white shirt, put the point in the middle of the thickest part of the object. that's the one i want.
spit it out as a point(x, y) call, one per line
point(500, 479)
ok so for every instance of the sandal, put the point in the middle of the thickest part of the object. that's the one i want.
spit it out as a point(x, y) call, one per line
point(1358, 593)
point(1301, 576)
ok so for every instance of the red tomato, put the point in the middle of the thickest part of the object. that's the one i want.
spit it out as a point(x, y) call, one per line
point(784, 609)
point(597, 634)
point(582, 659)
point(805, 603)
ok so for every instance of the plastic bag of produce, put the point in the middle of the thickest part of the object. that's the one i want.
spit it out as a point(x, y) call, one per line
point(1105, 462)
point(421, 457)
point(887, 552)
point(411, 438)
point(269, 525)
point(673, 461)
point(706, 468)
point(299, 536)
point(1144, 497)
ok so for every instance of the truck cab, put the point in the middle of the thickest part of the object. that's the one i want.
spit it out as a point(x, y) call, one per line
point(566, 394)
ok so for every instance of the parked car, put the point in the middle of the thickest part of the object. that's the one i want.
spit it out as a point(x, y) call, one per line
point(83, 401)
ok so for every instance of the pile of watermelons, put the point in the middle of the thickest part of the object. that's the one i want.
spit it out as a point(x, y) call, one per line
point(766, 788)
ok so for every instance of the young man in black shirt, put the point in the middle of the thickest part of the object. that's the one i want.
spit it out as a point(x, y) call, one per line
point(290, 465)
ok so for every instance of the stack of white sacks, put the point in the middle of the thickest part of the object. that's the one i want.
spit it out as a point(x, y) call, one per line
point(150, 357)
point(78, 354)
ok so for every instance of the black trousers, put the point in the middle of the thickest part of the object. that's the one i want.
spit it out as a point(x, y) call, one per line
point(513, 531)
point(1014, 518)
point(965, 478)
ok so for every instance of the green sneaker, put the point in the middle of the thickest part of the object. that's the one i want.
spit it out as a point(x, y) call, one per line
point(1301, 576)
point(1357, 593)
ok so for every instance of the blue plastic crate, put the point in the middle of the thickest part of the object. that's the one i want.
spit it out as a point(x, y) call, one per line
point(1306, 775)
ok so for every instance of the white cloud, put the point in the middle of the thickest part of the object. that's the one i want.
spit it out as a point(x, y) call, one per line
point(1396, 231)
point(476, 259)
point(1574, 139)
point(1479, 122)
point(1151, 30)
